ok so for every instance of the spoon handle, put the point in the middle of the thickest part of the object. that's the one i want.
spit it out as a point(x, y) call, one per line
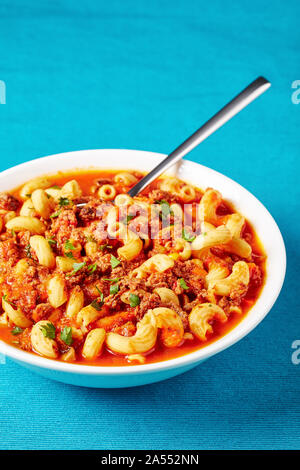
point(249, 94)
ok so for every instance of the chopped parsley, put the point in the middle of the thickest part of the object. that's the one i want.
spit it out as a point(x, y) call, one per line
point(114, 261)
point(55, 187)
point(114, 289)
point(128, 219)
point(51, 241)
point(56, 214)
point(182, 284)
point(98, 303)
point(27, 251)
point(102, 247)
point(100, 293)
point(134, 300)
point(16, 331)
point(69, 245)
point(91, 268)
point(114, 280)
point(165, 209)
point(48, 330)
point(63, 201)
point(4, 297)
point(90, 239)
point(66, 335)
point(78, 266)
point(186, 236)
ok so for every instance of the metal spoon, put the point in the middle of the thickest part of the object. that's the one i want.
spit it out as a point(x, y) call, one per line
point(249, 94)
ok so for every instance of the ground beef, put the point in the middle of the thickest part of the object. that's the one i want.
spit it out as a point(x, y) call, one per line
point(63, 225)
point(165, 279)
point(103, 262)
point(111, 322)
point(159, 195)
point(9, 251)
point(8, 202)
point(133, 284)
point(148, 301)
point(102, 181)
point(24, 340)
point(42, 312)
point(193, 275)
point(255, 275)
point(88, 211)
point(128, 329)
point(24, 238)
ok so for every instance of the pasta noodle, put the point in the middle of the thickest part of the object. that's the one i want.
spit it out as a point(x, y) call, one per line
point(92, 275)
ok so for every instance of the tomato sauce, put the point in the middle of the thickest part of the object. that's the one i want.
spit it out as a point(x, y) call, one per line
point(86, 179)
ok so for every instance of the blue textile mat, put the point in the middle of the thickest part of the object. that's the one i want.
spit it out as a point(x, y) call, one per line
point(144, 75)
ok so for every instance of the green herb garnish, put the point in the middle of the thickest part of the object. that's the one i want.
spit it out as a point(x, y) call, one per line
point(165, 209)
point(48, 330)
point(56, 214)
point(98, 303)
point(91, 268)
point(90, 238)
point(128, 219)
point(114, 289)
point(4, 297)
point(78, 266)
point(66, 335)
point(63, 201)
point(27, 251)
point(69, 245)
point(51, 241)
point(114, 261)
point(134, 300)
point(100, 294)
point(16, 331)
point(182, 284)
point(186, 236)
point(102, 247)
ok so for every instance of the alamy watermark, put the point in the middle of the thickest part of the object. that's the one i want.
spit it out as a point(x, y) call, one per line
point(296, 354)
point(296, 94)
point(2, 92)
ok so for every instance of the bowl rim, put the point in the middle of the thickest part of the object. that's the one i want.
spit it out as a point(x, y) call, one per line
point(232, 337)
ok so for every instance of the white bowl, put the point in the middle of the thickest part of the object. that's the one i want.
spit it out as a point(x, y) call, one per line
point(246, 203)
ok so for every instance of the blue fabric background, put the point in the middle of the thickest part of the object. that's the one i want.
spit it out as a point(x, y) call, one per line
point(144, 75)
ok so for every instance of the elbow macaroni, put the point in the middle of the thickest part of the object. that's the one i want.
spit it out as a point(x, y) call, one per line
point(200, 317)
point(41, 344)
point(109, 273)
point(23, 224)
point(57, 291)
point(42, 250)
